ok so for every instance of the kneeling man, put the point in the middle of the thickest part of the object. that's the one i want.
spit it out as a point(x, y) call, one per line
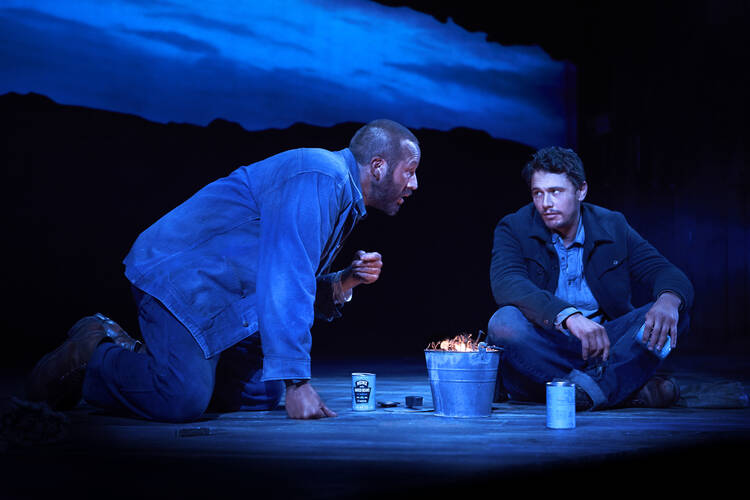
point(561, 273)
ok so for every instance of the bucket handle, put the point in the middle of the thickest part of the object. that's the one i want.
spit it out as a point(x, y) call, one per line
point(483, 347)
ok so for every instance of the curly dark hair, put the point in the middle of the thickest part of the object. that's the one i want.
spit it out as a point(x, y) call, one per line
point(382, 138)
point(556, 160)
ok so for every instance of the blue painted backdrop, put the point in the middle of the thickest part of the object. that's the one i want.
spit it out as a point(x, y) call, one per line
point(269, 64)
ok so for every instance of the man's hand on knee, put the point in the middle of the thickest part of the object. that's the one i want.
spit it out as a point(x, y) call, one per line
point(303, 402)
point(661, 320)
point(593, 336)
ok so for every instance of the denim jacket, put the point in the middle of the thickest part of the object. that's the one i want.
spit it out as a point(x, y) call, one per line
point(248, 253)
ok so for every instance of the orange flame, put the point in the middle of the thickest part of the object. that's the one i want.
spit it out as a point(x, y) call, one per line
point(459, 343)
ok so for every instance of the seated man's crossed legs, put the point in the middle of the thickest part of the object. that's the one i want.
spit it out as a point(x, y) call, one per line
point(534, 356)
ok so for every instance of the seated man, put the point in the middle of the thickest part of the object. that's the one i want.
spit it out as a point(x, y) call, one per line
point(561, 273)
point(228, 283)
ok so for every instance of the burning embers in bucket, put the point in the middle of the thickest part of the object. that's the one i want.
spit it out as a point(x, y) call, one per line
point(462, 374)
point(461, 343)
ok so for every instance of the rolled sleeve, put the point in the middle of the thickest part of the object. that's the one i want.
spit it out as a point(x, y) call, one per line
point(328, 305)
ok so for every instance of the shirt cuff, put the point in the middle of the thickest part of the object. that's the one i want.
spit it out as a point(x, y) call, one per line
point(280, 368)
point(563, 315)
point(339, 296)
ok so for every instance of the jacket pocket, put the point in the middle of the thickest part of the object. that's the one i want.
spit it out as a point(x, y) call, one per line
point(614, 265)
point(206, 286)
point(537, 273)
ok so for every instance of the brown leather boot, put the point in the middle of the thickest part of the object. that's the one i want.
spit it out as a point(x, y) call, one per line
point(113, 331)
point(57, 378)
point(659, 392)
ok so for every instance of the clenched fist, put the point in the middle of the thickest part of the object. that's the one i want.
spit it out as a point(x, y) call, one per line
point(365, 269)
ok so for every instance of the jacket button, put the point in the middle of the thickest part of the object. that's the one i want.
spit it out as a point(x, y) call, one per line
point(244, 323)
point(615, 262)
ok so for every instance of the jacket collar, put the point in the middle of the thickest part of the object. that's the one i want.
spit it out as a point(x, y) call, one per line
point(592, 225)
point(359, 199)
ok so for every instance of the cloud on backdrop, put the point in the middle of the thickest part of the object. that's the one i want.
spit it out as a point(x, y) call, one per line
point(269, 64)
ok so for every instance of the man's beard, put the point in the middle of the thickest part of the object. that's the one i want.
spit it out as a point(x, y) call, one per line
point(563, 224)
point(385, 195)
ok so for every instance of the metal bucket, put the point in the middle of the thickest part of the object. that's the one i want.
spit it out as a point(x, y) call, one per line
point(462, 383)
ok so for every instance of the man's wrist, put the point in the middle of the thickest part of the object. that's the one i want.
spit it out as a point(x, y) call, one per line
point(342, 286)
point(562, 317)
point(670, 296)
point(565, 321)
point(348, 279)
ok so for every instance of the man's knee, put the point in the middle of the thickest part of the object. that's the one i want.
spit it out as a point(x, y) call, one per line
point(182, 407)
point(183, 399)
point(507, 326)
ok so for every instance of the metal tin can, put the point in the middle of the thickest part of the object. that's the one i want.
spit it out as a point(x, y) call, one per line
point(363, 391)
point(561, 405)
point(664, 351)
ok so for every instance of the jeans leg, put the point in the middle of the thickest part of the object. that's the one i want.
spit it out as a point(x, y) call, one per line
point(172, 381)
point(532, 356)
point(630, 364)
point(238, 380)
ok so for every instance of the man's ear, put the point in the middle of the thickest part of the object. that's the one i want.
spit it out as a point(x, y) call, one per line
point(378, 167)
point(582, 191)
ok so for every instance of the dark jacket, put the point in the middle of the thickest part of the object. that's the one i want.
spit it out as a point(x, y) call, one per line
point(524, 268)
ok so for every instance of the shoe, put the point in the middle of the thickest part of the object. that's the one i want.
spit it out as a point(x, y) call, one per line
point(583, 401)
point(57, 378)
point(111, 329)
point(659, 392)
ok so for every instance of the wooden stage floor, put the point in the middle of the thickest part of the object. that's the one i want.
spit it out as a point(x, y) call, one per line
point(392, 450)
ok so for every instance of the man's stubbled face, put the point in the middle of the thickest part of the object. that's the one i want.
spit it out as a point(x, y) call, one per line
point(557, 201)
point(398, 182)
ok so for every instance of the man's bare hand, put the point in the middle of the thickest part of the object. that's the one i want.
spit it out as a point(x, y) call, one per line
point(593, 336)
point(302, 402)
point(661, 320)
point(365, 269)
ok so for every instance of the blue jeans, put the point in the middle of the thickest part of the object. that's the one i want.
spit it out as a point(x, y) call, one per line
point(534, 356)
point(172, 381)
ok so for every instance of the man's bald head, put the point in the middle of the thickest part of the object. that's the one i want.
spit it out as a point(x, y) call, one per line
point(382, 138)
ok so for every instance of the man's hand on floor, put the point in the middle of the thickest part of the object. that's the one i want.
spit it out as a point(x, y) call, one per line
point(302, 402)
point(593, 336)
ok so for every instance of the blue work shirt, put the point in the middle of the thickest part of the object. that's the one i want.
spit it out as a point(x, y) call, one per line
point(571, 281)
point(248, 252)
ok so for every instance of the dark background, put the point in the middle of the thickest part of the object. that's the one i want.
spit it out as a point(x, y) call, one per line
point(661, 130)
